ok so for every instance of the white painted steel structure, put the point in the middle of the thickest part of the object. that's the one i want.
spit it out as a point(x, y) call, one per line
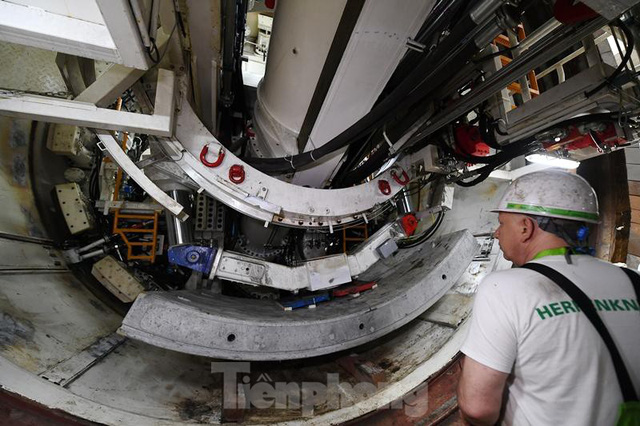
point(266, 198)
point(110, 35)
point(86, 114)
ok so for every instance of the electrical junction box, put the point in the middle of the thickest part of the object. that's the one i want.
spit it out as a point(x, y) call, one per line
point(74, 207)
point(117, 279)
point(65, 140)
point(386, 249)
point(427, 160)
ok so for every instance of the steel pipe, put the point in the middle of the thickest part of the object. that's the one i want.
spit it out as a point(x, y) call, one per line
point(179, 232)
point(552, 45)
point(137, 13)
point(484, 10)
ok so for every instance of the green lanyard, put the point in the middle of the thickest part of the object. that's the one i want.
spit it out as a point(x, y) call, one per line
point(552, 252)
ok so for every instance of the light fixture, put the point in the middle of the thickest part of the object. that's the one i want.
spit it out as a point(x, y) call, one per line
point(552, 161)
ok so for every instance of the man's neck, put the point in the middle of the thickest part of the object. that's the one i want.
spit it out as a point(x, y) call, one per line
point(544, 242)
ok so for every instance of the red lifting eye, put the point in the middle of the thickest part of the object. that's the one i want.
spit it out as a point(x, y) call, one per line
point(203, 157)
point(236, 173)
point(403, 179)
point(384, 187)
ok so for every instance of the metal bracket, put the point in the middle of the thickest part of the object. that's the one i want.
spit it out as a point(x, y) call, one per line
point(414, 45)
point(138, 175)
point(88, 115)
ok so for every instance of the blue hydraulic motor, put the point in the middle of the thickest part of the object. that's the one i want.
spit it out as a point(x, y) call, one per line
point(198, 258)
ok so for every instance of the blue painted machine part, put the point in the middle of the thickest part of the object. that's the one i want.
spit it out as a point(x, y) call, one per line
point(290, 304)
point(193, 257)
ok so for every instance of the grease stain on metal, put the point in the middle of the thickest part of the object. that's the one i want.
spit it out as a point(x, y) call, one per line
point(17, 137)
point(19, 170)
point(417, 265)
point(190, 409)
point(34, 229)
point(12, 330)
point(97, 305)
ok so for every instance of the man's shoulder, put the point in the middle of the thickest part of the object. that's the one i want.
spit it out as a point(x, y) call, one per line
point(514, 285)
point(584, 267)
point(510, 277)
point(518, 282)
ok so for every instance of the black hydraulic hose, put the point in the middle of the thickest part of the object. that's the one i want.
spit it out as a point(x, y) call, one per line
point(440, 16)
point(487, 131)
point(229, 51)
point(625, 60)
point(456, 47)
point(240, 143)
point(481, 177)
point(368, 168)
point(355, 154)
point(547, 47)
point(439, 19)
point(498, 160)
point(493, 55)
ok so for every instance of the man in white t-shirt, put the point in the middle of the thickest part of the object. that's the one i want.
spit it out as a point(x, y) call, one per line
point(531, 356)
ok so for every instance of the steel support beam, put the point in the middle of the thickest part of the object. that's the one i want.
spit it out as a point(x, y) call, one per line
point(270, 199)
point(38, 28)
point(124, 32)
point(111, 84)
point(138, 175)
point(316, 274)
point(115, 80)
point(85, 114)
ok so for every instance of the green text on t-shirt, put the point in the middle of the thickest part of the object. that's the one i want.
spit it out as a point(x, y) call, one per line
point(569, 306)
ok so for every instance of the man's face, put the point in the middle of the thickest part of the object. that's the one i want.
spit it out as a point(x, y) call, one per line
point(509, 235)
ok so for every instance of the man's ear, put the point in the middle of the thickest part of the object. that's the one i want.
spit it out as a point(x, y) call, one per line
point(528, 227)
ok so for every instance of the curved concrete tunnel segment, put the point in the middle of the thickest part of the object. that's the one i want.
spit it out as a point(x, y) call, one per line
point(226, 327)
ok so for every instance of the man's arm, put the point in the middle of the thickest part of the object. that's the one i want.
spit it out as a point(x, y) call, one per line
point(480, 392)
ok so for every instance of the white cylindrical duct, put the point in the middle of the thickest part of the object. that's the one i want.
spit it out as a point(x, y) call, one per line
point(303, 31)
point(341, 79)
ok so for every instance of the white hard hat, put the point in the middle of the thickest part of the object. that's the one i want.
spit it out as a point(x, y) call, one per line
point(551, 193)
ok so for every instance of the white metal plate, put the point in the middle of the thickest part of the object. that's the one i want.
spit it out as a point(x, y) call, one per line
point(73, 207)
point(117, 279)
point(328, 272)
point(64, 139)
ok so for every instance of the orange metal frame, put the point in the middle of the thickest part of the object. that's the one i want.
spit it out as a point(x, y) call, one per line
point(136, 228)
point(356, 239)
point(515, 87)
